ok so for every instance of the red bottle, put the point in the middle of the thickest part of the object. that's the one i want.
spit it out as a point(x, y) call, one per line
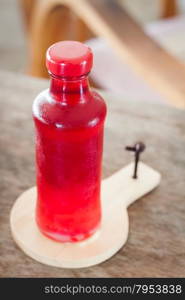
point(69, 121)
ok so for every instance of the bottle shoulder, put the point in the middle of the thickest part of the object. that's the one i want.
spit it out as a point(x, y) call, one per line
point(87, 112)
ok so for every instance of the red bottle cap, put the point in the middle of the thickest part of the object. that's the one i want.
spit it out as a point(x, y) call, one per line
point(69, 59)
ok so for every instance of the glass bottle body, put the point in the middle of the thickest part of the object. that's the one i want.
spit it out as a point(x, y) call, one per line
point(69, 123)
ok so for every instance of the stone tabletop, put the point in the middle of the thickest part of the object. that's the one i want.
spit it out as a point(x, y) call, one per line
point(156, 243)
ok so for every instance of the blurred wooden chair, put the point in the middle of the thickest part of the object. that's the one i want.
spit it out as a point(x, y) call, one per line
point(51, 20)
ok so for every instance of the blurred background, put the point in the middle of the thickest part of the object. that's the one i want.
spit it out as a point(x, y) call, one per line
point(138, 44)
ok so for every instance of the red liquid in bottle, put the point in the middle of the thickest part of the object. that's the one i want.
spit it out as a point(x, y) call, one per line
point(69, 121)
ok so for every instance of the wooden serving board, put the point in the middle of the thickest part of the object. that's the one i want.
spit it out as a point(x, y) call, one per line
point(118, 192)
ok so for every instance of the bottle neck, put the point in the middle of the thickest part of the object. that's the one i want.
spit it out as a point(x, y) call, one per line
point(69, 91)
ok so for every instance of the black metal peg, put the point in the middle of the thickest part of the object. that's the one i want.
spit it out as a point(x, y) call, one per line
point(137, 149)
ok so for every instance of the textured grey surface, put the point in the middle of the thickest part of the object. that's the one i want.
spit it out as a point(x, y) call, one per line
point(157, 221)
